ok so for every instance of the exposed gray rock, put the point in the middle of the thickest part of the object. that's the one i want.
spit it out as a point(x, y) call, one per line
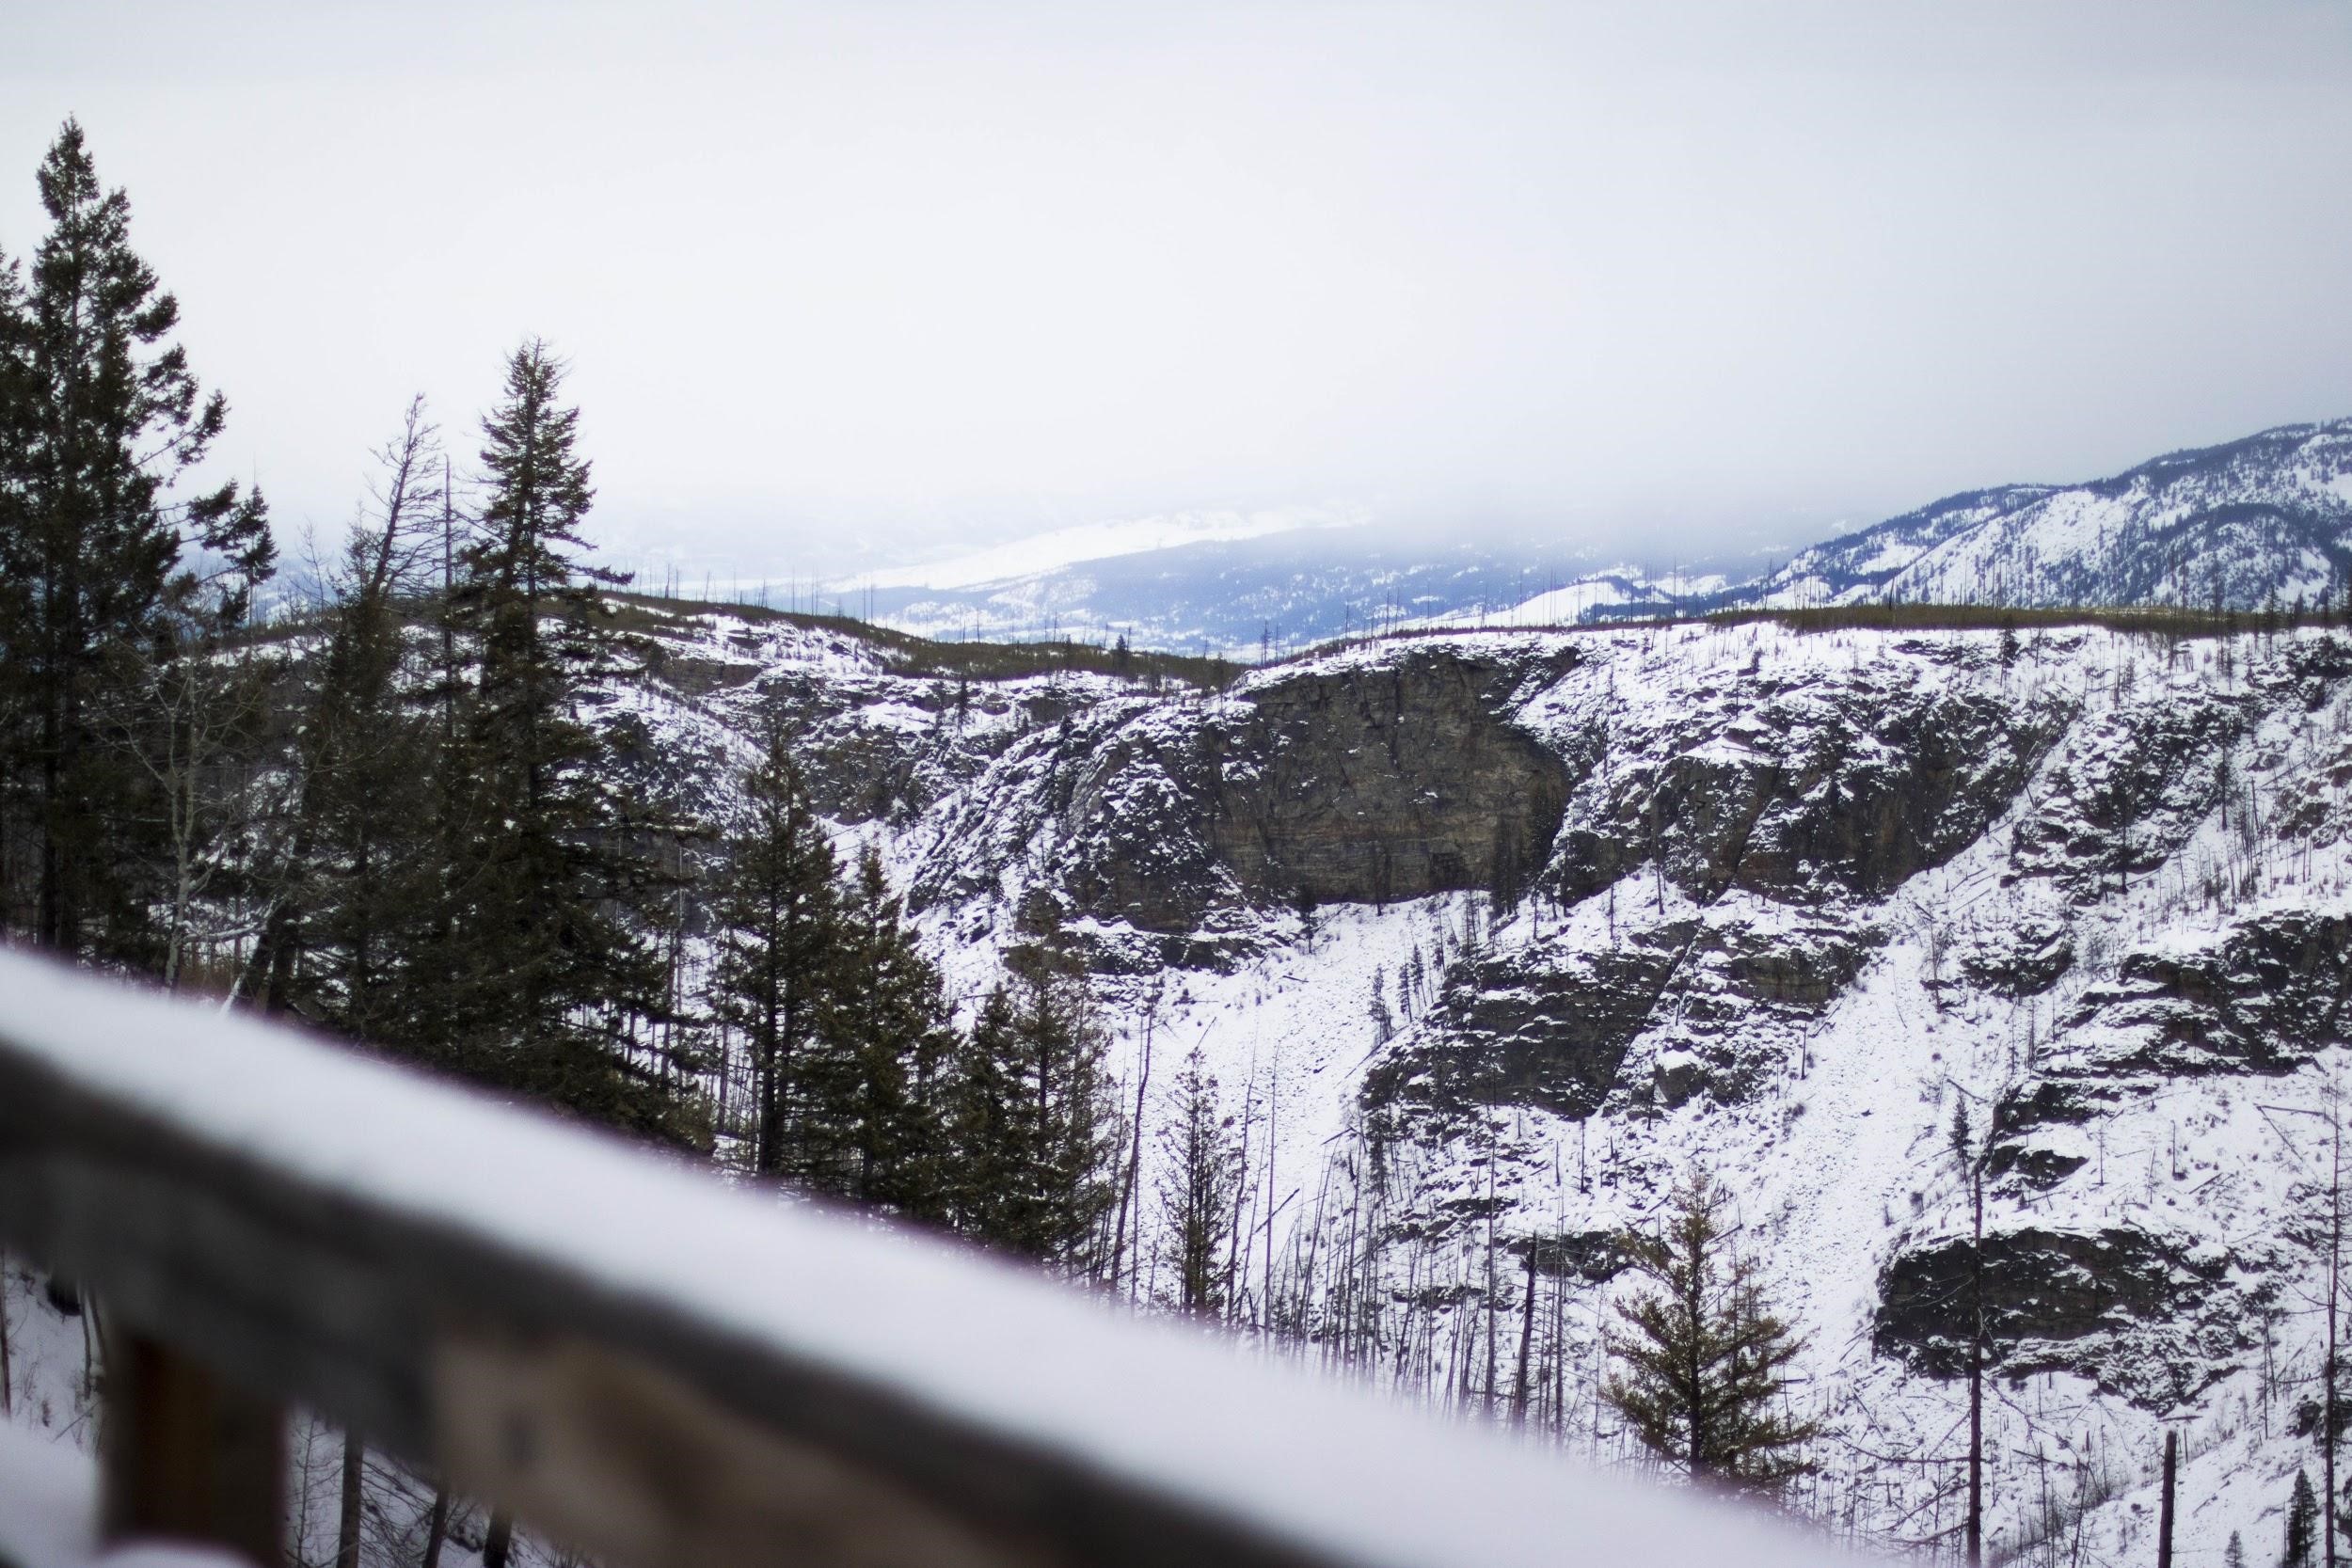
point(2263, 998)
point(1548, 1025)
point(2126, 789)
point(1543, 1028)
point(2023, 959)
point(1348, 785)
point(2148, 1317)
point(1804, 793)
point(1365, 785)
point(1591, 1257)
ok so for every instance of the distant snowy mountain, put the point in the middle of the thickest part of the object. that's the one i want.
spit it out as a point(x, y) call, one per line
point(2239, 525)
point(1247, 595)
point(2266, 518)
point(1621, 593)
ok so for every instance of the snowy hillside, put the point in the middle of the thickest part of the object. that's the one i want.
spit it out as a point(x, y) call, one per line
point(1488, 936)
point(2236, 526)
point(1622, 592)
point(1774, 902)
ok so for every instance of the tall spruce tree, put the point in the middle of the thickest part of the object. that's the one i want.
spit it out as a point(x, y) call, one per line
point(2302, 1527)
point(106, 566)
point(987, 1126)
point(778, 917)
point(1701, 1360)
point(550, 970)
point(883, 1042)
point(19, 802)
point(1199, 1186)
point(1072, 1185)
point(1033, 1126)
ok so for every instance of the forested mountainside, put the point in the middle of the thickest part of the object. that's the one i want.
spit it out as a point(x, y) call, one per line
point(1465, 948)
point(1487, 938)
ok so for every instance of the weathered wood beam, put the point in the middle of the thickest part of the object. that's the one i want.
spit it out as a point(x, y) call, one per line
point(185, 1456)
point(659, 1371)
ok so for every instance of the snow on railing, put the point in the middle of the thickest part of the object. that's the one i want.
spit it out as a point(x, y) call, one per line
point(655, 1368)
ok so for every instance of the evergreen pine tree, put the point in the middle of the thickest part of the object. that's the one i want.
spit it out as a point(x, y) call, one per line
point(778, 914)
point(99, 553)
point(1032, 1124)
point(1200, 1185)
point(884, 1040)
point(549, 967)
point(2303, 1536)
point(18, 801)
point(987, 1122)
point(1069, 1185)
point(1701, 1359)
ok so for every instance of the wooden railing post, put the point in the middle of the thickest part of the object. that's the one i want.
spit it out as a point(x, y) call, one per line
point(660, 1370)
point(187, 1457)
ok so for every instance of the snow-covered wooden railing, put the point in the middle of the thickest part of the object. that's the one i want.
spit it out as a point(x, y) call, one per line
point(657, 1368)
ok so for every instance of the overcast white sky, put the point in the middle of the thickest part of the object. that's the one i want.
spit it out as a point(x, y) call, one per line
point(889, 277)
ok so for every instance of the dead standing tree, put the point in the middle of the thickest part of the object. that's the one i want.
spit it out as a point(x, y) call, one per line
point(186, 721)
point(2322, 1234)
point(1971, 1156)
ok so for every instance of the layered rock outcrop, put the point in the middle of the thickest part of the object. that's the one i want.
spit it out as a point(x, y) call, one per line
point(2146, 1316)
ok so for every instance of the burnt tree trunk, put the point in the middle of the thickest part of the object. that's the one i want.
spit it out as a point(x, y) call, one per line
point(2164, 1513)
point(347, 1518)
point(437, 1527)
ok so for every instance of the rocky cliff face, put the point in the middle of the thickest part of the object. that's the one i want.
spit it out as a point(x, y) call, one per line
point(1370, 785)
point(1189, 819)
point(1498, 934)
point(2143, 1316)
point(1799, 789)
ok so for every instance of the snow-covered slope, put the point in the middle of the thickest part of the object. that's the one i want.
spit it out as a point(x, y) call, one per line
point(2239, 526)
point(1620, 594)
point(1783, 902)
point(1490, 936)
